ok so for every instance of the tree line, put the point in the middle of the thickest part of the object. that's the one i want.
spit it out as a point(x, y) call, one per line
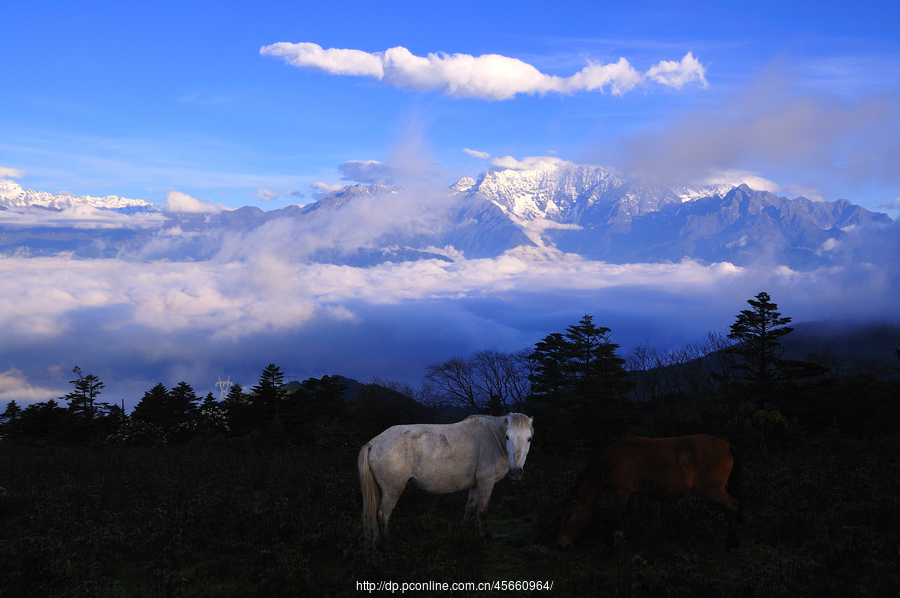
point(576, 383)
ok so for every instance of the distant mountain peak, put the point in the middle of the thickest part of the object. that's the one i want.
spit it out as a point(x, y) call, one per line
point(463, 185)
point(583, 210)
point(12, 195)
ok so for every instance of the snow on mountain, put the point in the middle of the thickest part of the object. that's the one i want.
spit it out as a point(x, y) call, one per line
point(557, 193)
point(565, 193)
point(697, 192)
point(13, 196)
point(576, 209)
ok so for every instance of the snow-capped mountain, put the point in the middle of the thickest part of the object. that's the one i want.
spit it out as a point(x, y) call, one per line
point(12, 195)
point(564, 194)
point(576, 209)
point(556, 193)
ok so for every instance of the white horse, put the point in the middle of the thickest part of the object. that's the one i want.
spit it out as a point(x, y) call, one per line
point(472, 455)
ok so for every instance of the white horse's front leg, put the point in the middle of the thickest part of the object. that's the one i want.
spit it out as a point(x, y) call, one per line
point(484, 496)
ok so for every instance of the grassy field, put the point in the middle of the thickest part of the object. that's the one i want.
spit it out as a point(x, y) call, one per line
point(244, 518)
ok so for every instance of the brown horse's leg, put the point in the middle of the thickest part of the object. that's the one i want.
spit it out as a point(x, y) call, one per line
point(732, 543)
point(731, 507)
point(620, 500)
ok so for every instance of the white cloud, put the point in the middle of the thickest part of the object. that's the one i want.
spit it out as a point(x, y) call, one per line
point(319, 189)
point(333, 60)
point(367, 171)
point(619, 76)
point(530, 163)
point(804, 191)
point(488, 77)
point(829, 245)
point(774, 124)
point(266, 195)
point(890, 205)
point(266, 290)
point(737, 177)
point(11, 173)
point(678, 74)
point(176, 201)
point(261, 301)
point(14, 386)
point(476, 154)
point(79, 216)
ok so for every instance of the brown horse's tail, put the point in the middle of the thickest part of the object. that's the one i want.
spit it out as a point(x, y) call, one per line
point(733, 485)
point(371, 495)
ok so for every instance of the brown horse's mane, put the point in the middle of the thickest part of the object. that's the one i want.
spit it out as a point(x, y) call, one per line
point(589, 471)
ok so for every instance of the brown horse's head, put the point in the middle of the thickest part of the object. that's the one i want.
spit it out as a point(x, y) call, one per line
point(576, 518)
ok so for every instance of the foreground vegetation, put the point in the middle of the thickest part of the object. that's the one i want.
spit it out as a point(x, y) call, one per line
point(258, 495)
point(248, 518)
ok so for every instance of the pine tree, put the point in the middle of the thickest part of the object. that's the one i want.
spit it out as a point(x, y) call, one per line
point(9, 420)
point(267, 396)
point(324, 396)
point(153, 407)
point(757, 333)
point(209, 401)
point(580, 384)
point(235, 395)
point(82, 400)
point(182, 403)
point(238, 410)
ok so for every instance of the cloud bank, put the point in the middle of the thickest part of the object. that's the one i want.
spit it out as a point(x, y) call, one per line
point(367, 172)
point(319, 189)
point(135, 321)
point(476, 154)
point(78, 217)
point(14, 387)
point(176, 201)
point(772, 124)
point(485, 77)
point(530, 163)
point(11, 173)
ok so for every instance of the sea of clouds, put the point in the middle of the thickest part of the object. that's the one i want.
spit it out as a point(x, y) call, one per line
point(154, 314)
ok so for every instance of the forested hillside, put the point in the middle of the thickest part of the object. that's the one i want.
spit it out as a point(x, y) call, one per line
point(257, 494)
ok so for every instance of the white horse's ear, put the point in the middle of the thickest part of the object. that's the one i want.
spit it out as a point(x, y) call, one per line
point(531, 420)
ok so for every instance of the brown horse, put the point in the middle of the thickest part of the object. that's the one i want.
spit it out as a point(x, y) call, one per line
point(661, 468)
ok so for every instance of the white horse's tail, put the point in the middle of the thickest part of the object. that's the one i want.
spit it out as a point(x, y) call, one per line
point(371, 494)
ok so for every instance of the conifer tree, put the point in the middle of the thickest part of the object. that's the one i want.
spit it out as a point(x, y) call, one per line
point(267, 396)
point(153, 407)
point(9, 420)
point(580, 384)
point(235, 395)
point(182, 403)
point(82, 400)
point(757, 333)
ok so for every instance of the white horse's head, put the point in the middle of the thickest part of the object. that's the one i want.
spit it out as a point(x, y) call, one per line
point(519, 430)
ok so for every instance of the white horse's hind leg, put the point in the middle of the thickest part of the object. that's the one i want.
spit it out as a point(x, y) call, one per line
point(389, 499)
point(472, 503)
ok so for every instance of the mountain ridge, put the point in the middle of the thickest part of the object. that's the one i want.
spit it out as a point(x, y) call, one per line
point(12, 195)
point(574, 209)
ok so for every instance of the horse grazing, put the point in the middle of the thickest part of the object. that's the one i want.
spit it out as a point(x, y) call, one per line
point(661, 468)
point(472, 455)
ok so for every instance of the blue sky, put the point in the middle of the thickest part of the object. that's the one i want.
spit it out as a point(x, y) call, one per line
point(137, 100)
